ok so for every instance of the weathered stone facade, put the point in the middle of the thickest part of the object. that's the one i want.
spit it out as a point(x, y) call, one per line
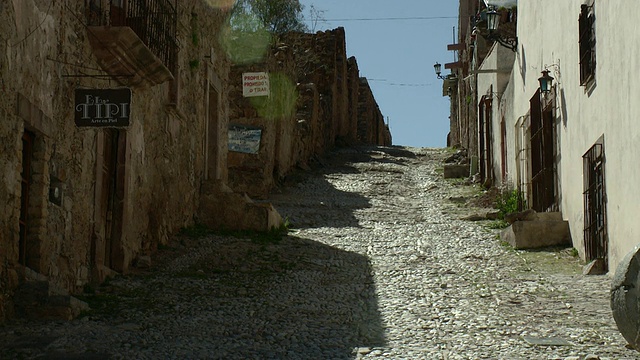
point(274, 115)
point(371, 126)
point(94, 199)
point(85, 203)
point(333, 106)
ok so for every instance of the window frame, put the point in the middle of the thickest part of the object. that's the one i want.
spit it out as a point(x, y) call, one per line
point(587, 44)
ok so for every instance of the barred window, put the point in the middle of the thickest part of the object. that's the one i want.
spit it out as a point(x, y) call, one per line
point(595, 203)
point(587, 41)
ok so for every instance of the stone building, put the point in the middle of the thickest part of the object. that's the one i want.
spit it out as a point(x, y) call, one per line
point(115, 133)
point(112, 119)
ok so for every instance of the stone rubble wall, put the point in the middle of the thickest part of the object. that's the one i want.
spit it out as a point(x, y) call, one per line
point(274, 114)
point(371, 126)
point(333, 108)
point(166, 151)
point(44, 47)
point(353, 81)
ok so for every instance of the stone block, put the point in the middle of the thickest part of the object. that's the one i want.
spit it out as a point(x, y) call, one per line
point(549, 216)
point(536, 234)
point(595, 267)
point(142, 262)
point(456, 171)
point(625, 297)
point(532, 215)
point(220, 208)
point(13, 279)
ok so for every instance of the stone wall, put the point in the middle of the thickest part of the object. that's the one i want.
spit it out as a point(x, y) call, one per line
point(275, 115)
point(98, 197)
point(371, 126)
point(353, 82)
point(46, 56)
point(332, 108)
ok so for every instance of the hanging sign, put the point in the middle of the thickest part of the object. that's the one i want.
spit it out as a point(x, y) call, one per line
point(244, 139)
point(102, 107)
point(255, 84)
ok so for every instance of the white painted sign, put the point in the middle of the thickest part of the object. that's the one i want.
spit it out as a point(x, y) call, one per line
point(244, 139)
point(255, 84)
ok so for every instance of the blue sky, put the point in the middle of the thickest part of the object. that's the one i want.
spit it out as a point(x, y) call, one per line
point(397, 57)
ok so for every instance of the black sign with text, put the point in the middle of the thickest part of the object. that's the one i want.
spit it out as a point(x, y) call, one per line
point(103, 107)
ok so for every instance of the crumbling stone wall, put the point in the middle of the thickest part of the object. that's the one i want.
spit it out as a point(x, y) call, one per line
point(371, 126)
point(332, 109)
point(308, 115)
point(353, 83)
point(45, 54)
point(321, 62)
point(275, 115)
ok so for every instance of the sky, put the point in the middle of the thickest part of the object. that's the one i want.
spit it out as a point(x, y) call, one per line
point(397, 58)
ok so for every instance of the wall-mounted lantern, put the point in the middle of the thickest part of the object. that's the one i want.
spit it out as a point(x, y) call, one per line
point(546, 81)
point(438, 68)
point(493, 20)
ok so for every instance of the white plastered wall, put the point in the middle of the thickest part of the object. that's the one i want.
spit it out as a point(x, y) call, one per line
point(548, 36)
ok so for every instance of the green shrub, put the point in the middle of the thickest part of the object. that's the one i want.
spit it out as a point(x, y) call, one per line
point(507, 202)
point(498, 224)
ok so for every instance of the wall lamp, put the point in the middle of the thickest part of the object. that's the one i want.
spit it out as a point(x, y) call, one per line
point(546, 81)
point(438, 68)
point(493, 20)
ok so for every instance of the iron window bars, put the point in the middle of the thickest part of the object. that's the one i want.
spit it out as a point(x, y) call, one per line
point(154, 21)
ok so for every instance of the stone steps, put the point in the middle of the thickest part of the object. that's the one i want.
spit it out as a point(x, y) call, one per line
point(537, 230)
point(38, 298)
point(220, 207)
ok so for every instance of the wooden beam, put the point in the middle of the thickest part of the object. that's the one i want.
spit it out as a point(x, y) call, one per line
point(453, 65)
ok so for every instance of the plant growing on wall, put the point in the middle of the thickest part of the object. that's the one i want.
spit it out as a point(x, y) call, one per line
point(508, 202)
point(276, 16)
point(255, 24)
point(282, 101)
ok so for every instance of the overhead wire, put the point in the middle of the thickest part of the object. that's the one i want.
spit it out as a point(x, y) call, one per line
point(410, 18)
point(386, 82)
point(388, 18)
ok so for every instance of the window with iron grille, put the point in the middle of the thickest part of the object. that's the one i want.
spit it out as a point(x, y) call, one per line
point(587, 42)
point(154, 21)
point(595, 209)
point(523, 168)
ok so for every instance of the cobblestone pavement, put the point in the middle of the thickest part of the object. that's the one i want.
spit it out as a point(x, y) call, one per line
point(378, 264)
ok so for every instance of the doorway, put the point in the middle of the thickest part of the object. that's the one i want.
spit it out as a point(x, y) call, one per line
point(543, 173)
point(111, 200)
point(485, 140)
point(595, 205)
point(27, 159)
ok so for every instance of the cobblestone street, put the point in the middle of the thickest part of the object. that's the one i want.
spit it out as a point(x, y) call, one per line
point(378, 263)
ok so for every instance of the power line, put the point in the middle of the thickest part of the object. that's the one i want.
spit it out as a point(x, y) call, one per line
point(386, 82)
point(387, 18)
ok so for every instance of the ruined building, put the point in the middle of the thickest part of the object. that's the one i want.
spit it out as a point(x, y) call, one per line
point(114, 134)
point(318, 100)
